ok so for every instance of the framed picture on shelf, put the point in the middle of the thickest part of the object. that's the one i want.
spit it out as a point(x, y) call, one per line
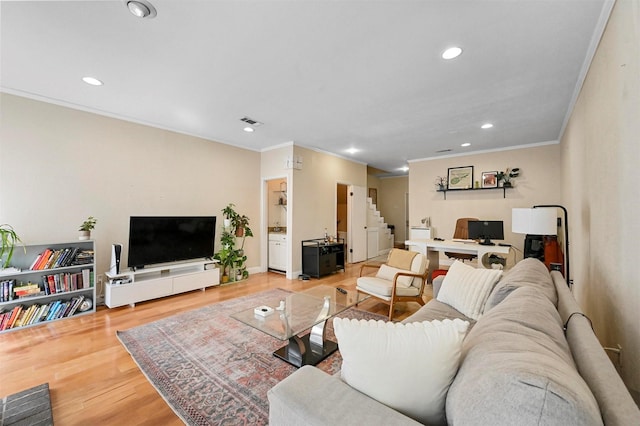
point(490, 179)
point(460, 177)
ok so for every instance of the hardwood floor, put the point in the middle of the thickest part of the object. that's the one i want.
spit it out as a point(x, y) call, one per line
point(92, 378)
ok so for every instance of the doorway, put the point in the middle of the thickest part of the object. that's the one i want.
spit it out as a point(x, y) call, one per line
point(276, 218)
point(342, 214)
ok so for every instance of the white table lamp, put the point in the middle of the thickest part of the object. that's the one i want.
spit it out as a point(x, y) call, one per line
point(542, 220)
point(538, 221)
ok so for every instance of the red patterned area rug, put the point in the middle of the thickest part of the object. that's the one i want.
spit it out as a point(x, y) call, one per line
point(212, 369)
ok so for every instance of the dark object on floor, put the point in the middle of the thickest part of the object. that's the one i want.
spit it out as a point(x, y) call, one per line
point(30, 407)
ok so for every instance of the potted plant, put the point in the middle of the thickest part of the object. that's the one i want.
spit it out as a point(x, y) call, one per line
point(226, 257)
point(229, 214)
point(86, 227)
point(241, 226)
point(232, 260)
point(441, 183)
point(506, 176)
point(9, 241)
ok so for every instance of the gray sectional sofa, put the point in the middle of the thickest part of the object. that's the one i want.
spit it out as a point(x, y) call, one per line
point(531, 359)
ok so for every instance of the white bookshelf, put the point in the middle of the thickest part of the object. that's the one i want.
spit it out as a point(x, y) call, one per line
point(23, 261)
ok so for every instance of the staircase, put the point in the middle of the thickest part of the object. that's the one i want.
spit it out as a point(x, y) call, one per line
point(379, 237)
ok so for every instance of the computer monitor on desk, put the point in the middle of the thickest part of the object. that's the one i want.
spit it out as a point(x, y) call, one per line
point(486, 230)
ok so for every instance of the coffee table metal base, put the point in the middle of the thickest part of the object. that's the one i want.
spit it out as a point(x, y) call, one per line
point(300, 351)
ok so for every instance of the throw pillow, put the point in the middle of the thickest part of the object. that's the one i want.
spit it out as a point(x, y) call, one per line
point(466, 288)
point(387, 272)
point(401, 259)
point(408, 367)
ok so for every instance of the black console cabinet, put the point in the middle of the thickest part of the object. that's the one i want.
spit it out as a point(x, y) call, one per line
point(320, 258)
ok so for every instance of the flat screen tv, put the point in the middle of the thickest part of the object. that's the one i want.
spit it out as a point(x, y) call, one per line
point(164, 239)
point(486, 230)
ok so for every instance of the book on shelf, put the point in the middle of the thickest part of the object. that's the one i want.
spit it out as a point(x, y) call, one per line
point(27, 316)
point(42, 259)
point(14, 315)
point(52, 310)
point(83, 257)
point(74, 308)
point(61, 258)
point(6, 290)
point(28, 290)
point(86, 278)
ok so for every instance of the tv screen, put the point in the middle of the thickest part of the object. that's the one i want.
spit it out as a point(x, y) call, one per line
point(486, 230)
point(163, 239)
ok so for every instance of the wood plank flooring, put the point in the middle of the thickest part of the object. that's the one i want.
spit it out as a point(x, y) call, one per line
point(92, 378)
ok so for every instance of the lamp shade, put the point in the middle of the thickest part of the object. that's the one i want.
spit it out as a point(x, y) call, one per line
point(540, 221)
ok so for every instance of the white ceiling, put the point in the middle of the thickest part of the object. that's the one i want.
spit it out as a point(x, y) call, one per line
point(328, 75)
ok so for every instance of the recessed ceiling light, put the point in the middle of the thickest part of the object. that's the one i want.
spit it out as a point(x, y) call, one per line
point(466, 144)
point(141, 8)
point(404, 169)
point(452, 52)
point(92, 81)
point(248, 129)
point(352, 150)
point(486, 126)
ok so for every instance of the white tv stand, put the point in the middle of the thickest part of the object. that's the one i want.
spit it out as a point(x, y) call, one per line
point(130, 287)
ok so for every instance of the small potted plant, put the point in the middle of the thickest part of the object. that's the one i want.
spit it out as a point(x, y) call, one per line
point(86, 227)
point(505, 177)
point(241, 225)
point(226, 257)
point(441, 183)
point(229, 214)
point(9, 241)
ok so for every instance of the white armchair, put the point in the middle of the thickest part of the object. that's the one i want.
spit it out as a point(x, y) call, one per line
point(402, 278)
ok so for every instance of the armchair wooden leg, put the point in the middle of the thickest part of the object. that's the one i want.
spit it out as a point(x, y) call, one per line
point(390, 310)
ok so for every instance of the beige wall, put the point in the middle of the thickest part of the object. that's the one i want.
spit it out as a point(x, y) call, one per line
point(313, 200)
point(59, 165)
point(391, 203)
point(538, 183)
point(601, 153)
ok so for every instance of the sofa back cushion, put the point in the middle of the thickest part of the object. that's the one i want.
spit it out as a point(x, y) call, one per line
point(466, 288)
point(528, 272)
point(517, 368)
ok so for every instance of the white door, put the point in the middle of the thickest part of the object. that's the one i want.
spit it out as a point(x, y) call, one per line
point(357, 224)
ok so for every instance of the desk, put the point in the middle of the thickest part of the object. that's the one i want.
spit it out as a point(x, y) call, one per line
point(432, 249)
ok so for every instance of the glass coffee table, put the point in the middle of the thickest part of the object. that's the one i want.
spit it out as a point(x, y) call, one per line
point(301, 311)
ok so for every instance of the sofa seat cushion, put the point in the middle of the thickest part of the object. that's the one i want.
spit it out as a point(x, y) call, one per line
point(312, 397)
point(528, 272)
point(407, 367)
point(436, 310)
point(466, 288)
point(517, 368)
point(382, 288)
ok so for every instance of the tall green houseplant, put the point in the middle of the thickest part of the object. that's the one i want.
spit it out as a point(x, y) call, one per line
point(232, 260)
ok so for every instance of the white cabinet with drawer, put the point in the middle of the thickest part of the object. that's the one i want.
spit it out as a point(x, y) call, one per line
point(278, 252)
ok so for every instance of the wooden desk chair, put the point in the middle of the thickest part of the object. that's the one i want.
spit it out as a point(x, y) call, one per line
point(462, 231)
point(402, 278)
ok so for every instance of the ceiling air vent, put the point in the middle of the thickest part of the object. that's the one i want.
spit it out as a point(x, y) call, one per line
point(443, 150)
point(251, 121)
